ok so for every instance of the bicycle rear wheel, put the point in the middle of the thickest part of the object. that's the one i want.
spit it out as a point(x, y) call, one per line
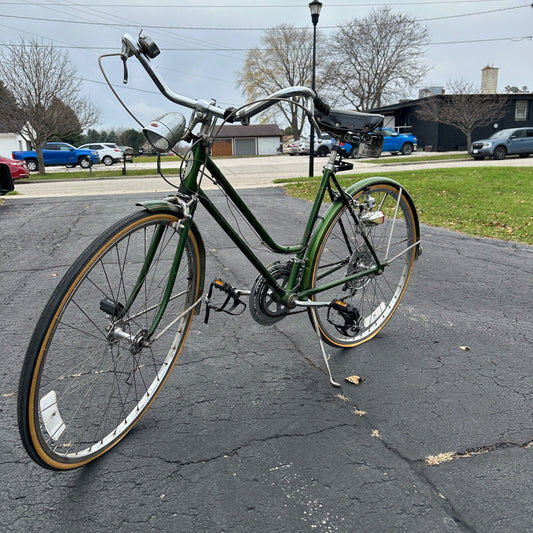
point(365, 304)
point(92, 368)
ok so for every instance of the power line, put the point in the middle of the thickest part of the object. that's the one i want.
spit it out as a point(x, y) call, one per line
point(202, 28)
point(525, 37)
point(121, 22)
point(167, 49)
point(471, 14)
point(247, 6)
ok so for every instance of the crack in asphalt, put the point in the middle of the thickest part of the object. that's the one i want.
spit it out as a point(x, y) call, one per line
point(435, 460)
point(418, 466)
point(251, 442)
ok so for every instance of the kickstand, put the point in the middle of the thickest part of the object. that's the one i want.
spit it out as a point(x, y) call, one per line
point(321, 342)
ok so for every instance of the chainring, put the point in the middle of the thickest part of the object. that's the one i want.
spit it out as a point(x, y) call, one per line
point(264, 308)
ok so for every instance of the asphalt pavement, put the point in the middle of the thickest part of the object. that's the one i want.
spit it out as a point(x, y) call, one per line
point(248, 434)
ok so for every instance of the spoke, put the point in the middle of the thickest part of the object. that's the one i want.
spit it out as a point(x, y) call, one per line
point(394, 222)
point(92, 387)
point(144, 311)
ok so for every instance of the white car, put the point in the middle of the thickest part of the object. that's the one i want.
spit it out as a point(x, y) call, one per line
point(302, 146)
point(109, 152)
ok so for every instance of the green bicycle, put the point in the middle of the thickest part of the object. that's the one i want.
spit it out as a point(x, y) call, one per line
point(116, 323)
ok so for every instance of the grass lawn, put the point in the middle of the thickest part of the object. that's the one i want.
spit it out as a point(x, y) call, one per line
point(419, 158)
point(85, 174)
point(494, 202)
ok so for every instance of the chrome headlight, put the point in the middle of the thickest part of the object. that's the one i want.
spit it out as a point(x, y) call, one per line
point(165, 131)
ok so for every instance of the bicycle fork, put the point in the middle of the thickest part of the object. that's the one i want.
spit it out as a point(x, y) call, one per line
point(118, 312)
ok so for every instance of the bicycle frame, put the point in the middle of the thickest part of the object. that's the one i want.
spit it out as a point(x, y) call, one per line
point(296, 290)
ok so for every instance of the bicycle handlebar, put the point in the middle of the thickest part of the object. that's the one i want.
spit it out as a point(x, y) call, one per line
point(145, 49)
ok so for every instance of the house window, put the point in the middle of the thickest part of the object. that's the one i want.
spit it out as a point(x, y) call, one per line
point(521, 110)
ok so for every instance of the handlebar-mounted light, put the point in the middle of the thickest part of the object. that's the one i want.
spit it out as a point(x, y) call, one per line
point(148, 46)
point(165, 131)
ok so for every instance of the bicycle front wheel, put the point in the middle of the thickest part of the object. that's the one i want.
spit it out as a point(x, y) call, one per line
point(364, 305)
point(93, 366)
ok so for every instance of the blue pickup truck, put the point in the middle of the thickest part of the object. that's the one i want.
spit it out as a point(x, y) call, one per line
point(393, 142)
point(57, 153)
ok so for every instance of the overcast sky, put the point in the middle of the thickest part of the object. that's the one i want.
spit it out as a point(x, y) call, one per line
point(204, 42)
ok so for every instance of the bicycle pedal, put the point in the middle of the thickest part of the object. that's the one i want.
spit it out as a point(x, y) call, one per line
point(346, 318)
point(233, 296)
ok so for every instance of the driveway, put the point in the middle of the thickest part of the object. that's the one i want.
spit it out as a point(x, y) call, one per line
point(248, 435)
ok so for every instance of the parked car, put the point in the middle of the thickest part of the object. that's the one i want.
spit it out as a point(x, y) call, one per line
point(18, 169)
point(109, 153)
point(504, 142)
point(128, 153)
point(6, 181)
point(58, 153)
point(128, 150)
point(303, 146)
point(394, 142)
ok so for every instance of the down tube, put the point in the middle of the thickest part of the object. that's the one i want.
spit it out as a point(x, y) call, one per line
point(243, 247)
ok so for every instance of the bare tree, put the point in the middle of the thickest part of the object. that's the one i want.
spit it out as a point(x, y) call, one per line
point(46, 92)
point(464, 108)
point(376, 60)
point(284, 59)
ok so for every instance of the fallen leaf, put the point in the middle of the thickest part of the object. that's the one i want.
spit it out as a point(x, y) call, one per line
point(354, 379)
point(434, 460)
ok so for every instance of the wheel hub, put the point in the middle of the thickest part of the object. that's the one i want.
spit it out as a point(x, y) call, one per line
point(360, 261)
point(137, 341)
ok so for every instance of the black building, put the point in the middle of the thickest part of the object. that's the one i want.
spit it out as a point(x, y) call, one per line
point(437, 137)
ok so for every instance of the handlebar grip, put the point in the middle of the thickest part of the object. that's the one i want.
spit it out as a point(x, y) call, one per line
point(321, 105)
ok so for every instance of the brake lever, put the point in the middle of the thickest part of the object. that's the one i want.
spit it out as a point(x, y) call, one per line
point(316, 127)
point(310, 112)
point(125, 53)
point(125, 79)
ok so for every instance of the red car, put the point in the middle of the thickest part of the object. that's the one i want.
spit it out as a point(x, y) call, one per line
point(18, 168)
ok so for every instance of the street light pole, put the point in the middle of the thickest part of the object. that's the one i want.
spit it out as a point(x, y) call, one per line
point(315, 6)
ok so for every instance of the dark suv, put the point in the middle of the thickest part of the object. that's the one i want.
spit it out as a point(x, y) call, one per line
point(504, 142)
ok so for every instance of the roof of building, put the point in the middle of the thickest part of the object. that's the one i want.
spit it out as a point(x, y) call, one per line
point(253, 130)
point(410, 103)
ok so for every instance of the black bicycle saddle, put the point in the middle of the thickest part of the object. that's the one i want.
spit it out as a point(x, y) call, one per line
point(339, 122)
